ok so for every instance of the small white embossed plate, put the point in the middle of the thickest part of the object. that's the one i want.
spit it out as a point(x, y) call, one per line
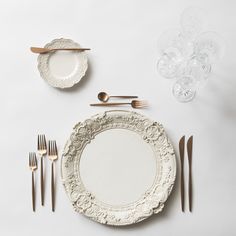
point(62, 69)
point(118, 168)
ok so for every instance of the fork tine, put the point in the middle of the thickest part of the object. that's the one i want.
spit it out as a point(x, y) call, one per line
point(38, 142)
point(32, 158)
point(49, 148)
point(55, 144)
point(29, 159)
point(35, 160)
point(52, 148)
point(44, 142)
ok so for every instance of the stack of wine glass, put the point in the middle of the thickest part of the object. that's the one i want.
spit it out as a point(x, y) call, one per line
point(187, 54)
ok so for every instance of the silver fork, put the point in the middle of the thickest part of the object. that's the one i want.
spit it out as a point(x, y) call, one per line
point(53, 156)
point(42, 151)
point(33, 167)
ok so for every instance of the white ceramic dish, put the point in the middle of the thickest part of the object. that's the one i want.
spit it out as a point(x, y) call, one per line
point(118, 168)
point(62, 69)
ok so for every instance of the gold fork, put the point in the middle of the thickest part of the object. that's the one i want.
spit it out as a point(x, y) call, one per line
point(33, 167)
point(42, 151)
point(133, 103)
point(52, 155)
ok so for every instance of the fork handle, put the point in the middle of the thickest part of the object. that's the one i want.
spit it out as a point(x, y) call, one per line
point(42, 182)
point(53, 188)
point(110, 104)
point(33, 192)
point(117, 96)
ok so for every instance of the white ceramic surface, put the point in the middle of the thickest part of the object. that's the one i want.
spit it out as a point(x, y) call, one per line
point(118, 168)
point(62, 69)
point(116, 161)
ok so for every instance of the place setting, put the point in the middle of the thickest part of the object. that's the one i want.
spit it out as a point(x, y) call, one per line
point(118, 167)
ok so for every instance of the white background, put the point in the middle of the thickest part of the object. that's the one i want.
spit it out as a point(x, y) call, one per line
point(123, 38)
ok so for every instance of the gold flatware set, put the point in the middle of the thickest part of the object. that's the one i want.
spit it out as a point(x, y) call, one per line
point(182, 182)
point(104, 97)
point(42, 150)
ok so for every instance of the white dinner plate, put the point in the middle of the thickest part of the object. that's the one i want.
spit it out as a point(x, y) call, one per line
point(62, 69)
point(118, 168)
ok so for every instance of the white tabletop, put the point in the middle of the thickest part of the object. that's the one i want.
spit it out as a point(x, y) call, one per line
point(123, 38)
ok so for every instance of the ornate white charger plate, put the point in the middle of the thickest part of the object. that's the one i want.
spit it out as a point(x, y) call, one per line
point(62, 69)
point(93, 203)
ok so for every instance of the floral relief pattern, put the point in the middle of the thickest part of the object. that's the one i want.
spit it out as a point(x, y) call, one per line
point(152, 201)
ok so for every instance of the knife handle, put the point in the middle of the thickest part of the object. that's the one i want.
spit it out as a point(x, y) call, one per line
point(181, 153)
point(182, 187)
point(190, 152)
point(190, 189)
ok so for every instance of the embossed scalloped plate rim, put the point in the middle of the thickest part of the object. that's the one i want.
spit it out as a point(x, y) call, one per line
point(71, 80)
point(152, 201)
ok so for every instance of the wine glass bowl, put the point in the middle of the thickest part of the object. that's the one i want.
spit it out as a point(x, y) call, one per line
point(169, 63)
point(192, 22)
point(211, 44)
point(184, 89)
point(198, 67)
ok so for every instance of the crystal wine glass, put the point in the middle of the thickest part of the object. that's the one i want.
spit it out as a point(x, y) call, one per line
point(192, 22)
point(211, 44)
point(199, 67)
point(184, 89)
point(169, 63)
point(172, 49)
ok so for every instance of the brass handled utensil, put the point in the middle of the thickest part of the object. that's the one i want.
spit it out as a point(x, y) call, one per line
point(190, 150)
point(47, 50)
point(181, 153)
point(134, 104)
point(53, 156)
point(104, 97)
point(42, 151)
point(33, 167)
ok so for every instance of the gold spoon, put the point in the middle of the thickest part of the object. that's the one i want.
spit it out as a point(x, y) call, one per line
point(104, 97)
point(47, 50)
point(133, 103)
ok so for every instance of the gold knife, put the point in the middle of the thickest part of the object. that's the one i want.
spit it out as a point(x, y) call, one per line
point(181, 153)
point(190, 187)
point(47, 50)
